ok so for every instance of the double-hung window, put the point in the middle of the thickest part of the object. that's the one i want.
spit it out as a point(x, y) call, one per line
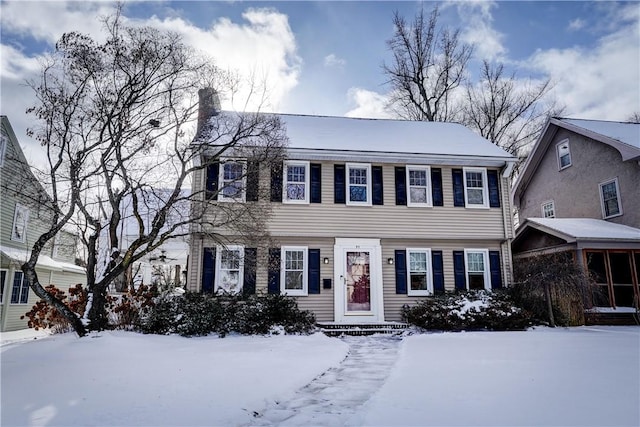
point(358, 184)
point(477, 268)
point(296, 182)
point(293, 272)
point(610, 199)
point(419, 272)
point(20, 288)
point(418, 184)
point(475, 188)
point(20, 220)
point(563, 153)
point(230, 269)
point(232, 181)
point(548, 209)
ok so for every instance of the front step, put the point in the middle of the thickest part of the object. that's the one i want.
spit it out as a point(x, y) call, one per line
point(358, 329)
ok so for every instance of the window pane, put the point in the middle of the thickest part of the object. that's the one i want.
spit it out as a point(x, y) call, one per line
point(358, 176)
point(293, 280)
point(294, 260)
point(232, 171)
point(476, 281)
point(16, 288)
point(295, 173)
point(418, 261)
point(418, 195)
point(418, 282)
point(475, 262)
point(475, 196)
point(565, 160)
point(295, 191)
point(357, 193)
point(232, 189)
point(418, 177)
point(620, 268)
point(596, 266)
point(548, 210)
point(474, 179)
point(230, 260)
point(3, 277)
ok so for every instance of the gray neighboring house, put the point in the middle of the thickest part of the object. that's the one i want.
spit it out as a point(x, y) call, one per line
point(579, 191)
point(23, 216)
point(368, 215)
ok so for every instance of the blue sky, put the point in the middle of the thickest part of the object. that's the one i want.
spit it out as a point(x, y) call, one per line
point(325, 57)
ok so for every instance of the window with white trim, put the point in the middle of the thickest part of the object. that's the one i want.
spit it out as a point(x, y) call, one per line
point(419, 186)
point(229, 269)
point(419, 272)
point(610, 199)
point(232, 181)
point(20, 288)
point(477, 268)
point(563, 153)
point(359, 184)
point(3, 147)
point(20, 220)
point(3, 279)
point(296, 182)
point(293, 271)
point(548, 209)
point(476, 194)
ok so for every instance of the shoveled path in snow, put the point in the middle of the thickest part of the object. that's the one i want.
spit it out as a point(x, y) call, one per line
point(333, 398)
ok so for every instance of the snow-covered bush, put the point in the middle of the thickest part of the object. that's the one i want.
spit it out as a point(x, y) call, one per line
point(473, 310)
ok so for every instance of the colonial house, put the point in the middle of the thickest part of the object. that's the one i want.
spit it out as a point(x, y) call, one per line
point(23, 217)
point(367, 215)
point(579, 191)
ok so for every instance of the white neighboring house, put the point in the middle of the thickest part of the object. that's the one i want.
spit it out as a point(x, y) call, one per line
point(23, 218)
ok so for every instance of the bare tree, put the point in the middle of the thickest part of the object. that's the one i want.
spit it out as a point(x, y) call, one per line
point(507, 112)
point(116, 121)
point(634, 118)
point(428, 66)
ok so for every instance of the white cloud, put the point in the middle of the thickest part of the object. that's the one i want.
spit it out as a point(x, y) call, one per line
point(262, 46)
point(577, 24)
point(477, 29)
point(332, 60)
point(601, 82)
point(368, 104)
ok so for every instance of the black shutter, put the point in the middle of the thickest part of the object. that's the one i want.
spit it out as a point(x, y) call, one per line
point(339, 184)
point(458, 187)
point(496, 273)
point(273, 286)
point(376, 179)
point(436, 186)
point(208, 270)
point(438, 272)
point(249, 285)
point(314, 271)
point(253, 173)
point(401, 272)
point(276, 183)
point(458, 270)
point(213, 171)
point(401, 185)
point(316, 183)
point(494, 189)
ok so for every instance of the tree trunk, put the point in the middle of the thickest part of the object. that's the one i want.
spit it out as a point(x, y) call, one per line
point(547, 296)
point(62, 308)
point(98, 319)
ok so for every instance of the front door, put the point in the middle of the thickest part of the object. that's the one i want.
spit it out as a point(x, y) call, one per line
point(358, 278)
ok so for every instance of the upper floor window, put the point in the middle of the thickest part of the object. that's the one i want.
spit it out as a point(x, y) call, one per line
point(610, 199)
point(3, 279)
point(296, 182)
point(475, 188)
point(20, 220)
point(3, 148)
point(419, 272)
point(232, 181)
point(230, 269)
point(293, 279)
point(564, 154)
point(548, 209)
point(20, 289)
point(358, 184)
point(419, 186)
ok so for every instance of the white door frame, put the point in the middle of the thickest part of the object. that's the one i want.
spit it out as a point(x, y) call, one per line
point(342, 245)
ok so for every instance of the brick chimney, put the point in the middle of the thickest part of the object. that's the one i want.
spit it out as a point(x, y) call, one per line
point(209, 105)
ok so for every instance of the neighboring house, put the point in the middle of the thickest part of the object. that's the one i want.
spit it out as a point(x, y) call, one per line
point(368, 215)
point(580, 191)
point(23, 217)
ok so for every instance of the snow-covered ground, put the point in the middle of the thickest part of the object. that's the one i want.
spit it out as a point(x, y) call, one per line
point(561, 377)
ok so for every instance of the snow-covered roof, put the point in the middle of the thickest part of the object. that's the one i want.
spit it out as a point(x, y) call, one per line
point(44, 261)
point(388, 136)
point(586, 228)
point(628, 133)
